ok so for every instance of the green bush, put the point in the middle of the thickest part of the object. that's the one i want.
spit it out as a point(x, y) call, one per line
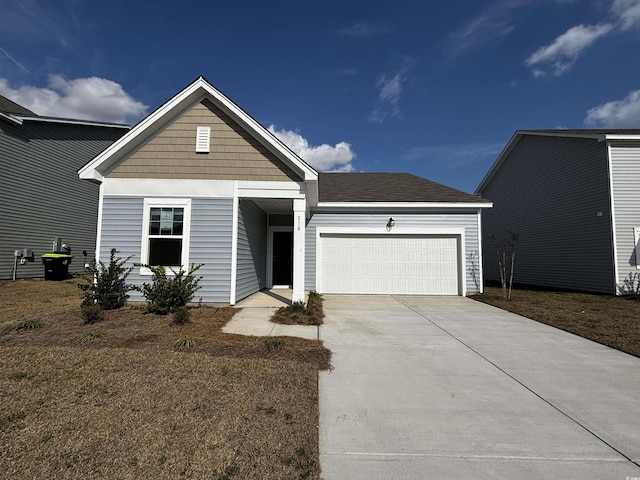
point(109, 286)
point(181, 315)
point(167, 293)
point(91, 313)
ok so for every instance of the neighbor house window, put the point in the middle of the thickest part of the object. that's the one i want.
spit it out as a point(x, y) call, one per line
point(165, 239)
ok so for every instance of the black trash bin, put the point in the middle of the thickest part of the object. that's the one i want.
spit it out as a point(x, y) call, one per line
point(56, 265)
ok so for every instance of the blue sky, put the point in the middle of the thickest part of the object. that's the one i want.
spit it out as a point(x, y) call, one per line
point(431, 88)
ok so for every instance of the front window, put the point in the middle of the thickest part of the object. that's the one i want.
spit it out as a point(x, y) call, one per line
point(165, 236)
point(166, 233)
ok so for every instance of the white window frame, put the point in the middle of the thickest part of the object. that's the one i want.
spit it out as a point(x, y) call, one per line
point(150, 203)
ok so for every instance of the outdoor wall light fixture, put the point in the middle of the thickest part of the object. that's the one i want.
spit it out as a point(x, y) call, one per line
point(390, 223)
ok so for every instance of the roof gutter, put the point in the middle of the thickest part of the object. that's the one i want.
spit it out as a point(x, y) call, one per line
point(71, 122)
point(10, 118)
point(403, 205)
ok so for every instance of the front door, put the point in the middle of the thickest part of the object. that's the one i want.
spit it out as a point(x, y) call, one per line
point(282, 259)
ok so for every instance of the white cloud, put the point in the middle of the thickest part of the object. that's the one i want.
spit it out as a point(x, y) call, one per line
point(623, 113)
point(563, 52)
point(90, 98)
point(628, 13)
point(323, 157)
point(389, 93)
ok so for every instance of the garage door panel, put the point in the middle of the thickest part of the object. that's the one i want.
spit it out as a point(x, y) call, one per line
point(389, 264)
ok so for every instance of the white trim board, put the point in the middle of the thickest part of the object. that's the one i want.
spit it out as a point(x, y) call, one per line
point(186, 230)
point(159, 187)
point(271, 229)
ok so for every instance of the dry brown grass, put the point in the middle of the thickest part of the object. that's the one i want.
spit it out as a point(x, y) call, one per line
point(606, 319)
point(115, 400)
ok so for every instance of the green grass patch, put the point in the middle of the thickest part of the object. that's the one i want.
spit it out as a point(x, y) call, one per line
point(26, 325)
point(185, 343)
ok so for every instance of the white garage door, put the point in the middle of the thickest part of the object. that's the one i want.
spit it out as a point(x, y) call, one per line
point(388, 264)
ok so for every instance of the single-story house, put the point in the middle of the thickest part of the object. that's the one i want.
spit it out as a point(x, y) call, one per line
point(199, 181)
point(41, 196)
point(574, 198)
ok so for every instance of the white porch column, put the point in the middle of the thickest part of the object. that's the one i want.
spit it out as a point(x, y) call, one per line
point(299, 209)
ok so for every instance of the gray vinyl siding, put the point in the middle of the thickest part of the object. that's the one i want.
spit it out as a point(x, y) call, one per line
point(41, 195)
point(625, 166)
point(554, 192)
point(211, 235)
point(466, 220)
point(210, 241)
point(252, 249)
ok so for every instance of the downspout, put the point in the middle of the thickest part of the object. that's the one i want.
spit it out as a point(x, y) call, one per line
point(614, 243)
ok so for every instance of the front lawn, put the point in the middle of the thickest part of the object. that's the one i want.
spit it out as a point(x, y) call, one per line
point(606, 319)
point(117, 399)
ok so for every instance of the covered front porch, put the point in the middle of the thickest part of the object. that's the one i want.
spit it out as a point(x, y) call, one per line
point(268, 245)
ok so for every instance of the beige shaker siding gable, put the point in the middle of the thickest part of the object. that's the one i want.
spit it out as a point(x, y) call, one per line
point(234, 153)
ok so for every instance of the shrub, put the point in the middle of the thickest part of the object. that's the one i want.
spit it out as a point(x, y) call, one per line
point(181, 315)
point(631, 285)
point(109, 287)
point(26, 325)
point(91, 313)
point(90, 337)
point(185, 343)
point(275, 343)
point(165, 294)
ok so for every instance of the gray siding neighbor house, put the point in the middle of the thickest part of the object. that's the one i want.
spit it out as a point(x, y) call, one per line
point(574, 198)
point(40, 193)
point(199, 181)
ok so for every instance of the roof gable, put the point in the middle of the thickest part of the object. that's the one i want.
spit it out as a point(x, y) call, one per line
point(387, 188)
point(193, 94)
point(232, 153)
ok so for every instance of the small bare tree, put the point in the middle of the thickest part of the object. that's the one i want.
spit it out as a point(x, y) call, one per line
point(506, 254)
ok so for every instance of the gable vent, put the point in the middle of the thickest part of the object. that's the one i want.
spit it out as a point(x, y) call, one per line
point(203, 134)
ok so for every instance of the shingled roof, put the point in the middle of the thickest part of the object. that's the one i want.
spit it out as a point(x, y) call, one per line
point(587, 131)
point(387, 187)
point(8, 106)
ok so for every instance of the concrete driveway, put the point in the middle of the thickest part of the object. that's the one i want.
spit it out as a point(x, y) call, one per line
point(447, 387)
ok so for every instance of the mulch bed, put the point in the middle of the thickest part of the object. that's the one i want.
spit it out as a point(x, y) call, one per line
point(606, 319)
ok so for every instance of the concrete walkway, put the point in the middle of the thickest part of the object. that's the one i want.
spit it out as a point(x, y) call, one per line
point(446, 387)
point(257, 309)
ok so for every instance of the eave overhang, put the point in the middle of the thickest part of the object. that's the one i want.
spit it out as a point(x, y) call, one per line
point(397, 206)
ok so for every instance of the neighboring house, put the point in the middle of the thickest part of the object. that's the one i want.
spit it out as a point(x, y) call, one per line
point(199, 181)
point(574, 198)
point(40, 194)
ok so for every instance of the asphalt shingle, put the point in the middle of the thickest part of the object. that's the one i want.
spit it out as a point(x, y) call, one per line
point(387, 187)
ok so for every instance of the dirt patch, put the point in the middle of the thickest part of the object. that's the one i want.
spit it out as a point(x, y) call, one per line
point(115, 400)
point(606, 319)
